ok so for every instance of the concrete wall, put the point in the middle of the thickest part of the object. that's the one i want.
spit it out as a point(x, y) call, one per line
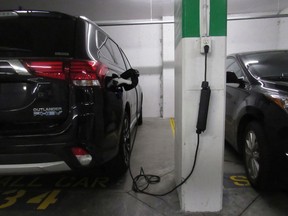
point(258, 34)
point(283, 32)
point(251, 35)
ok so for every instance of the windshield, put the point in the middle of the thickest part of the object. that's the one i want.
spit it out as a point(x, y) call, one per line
point(267, 65)
point(34, 36)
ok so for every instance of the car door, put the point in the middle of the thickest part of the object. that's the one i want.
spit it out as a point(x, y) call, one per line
point(131, 94)
point(235, 100)
point(111, 54)
point(113, 96)
point(134, 98)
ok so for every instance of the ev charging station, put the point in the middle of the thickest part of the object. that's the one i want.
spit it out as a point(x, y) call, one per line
point(199, 23)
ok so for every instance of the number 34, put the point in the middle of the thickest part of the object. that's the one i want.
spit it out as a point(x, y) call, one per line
point(44, 199)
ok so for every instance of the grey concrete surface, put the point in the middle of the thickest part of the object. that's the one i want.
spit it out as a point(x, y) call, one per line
point(100, 195)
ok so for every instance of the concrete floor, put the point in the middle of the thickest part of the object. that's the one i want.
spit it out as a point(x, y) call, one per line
point(101, 195)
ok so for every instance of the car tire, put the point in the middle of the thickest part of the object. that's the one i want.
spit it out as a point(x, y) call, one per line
point(125, 142)
point(140, 119)
point(119, 164)
point(257, 157)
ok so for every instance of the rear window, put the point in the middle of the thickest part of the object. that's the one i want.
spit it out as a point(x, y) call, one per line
point(34, 36)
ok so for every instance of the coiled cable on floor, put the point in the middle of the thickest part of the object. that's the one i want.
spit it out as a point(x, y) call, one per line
point(142, 181)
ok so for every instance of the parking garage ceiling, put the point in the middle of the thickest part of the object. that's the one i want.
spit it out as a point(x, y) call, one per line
point(109, 10)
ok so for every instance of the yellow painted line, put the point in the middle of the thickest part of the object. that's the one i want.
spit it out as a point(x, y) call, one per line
point(172, 124)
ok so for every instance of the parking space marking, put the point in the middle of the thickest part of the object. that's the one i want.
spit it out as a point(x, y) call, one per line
point(28, 199)
point(60, 181)
point(172, 124)
point(42, 193)
point(236, 180)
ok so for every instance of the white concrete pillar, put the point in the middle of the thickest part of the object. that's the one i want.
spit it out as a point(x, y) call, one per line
point(204, 189)
point(168, 69)
point(283, 30)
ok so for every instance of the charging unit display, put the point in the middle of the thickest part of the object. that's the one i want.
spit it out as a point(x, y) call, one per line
point(205, 48)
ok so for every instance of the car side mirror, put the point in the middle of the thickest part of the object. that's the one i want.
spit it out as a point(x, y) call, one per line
point(231, 77)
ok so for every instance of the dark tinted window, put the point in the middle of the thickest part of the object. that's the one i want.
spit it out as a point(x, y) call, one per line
point(267, 64)
point(36, 36)
point(103, 45)
point(100, 39)
point(117, 55)
point(106, 54)
point(232, 65)
point(127, 63)
point(109, 51)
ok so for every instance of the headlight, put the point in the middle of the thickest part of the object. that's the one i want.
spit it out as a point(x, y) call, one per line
point(280, 100)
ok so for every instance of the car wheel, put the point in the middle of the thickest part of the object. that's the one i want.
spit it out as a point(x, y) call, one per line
point(119, 164)
point(257, 157)
point(125, 143)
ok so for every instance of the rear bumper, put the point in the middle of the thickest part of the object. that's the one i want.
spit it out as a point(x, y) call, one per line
point(37, 158)
point(50, 152)
point(34, 168)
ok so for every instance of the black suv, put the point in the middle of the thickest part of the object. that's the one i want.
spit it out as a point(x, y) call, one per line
point(68, 95)
point(257, 114)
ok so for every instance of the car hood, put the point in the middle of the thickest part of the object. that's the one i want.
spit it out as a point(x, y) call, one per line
point(274, 85)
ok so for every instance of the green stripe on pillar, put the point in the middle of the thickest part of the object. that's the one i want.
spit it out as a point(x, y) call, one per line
point(218, 17)
point(190, 18)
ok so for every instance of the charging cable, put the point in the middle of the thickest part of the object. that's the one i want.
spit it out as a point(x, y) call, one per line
point(142, 181)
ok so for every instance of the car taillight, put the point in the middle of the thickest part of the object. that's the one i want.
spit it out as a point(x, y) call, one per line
point(81, 73)
point(51, 69)
point(87, 73)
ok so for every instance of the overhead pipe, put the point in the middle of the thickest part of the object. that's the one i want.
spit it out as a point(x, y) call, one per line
point(162, 22)
point(247, 17)
point(133, 22)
